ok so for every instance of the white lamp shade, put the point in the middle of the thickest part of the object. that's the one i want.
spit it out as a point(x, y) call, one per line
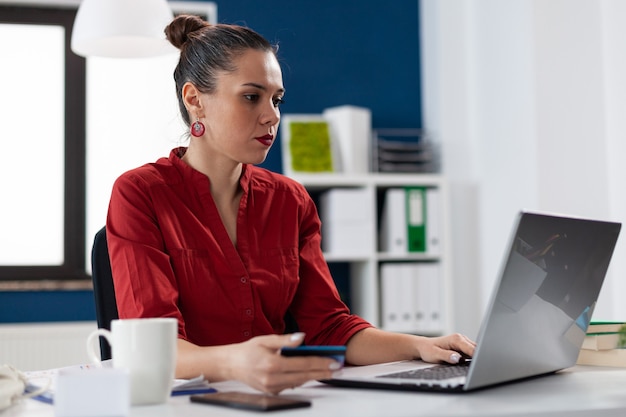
point(122, 28)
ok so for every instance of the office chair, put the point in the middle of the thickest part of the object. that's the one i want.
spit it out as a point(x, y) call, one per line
point(103, 288)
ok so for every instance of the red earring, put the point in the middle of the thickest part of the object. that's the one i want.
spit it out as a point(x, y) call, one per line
point(197, 129)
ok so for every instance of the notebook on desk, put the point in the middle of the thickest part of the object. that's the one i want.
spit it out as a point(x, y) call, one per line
point(538, 314)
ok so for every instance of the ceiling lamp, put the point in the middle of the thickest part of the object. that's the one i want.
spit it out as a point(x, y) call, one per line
point(121, 28)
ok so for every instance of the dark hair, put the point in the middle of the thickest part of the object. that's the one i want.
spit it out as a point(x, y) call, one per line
point(207, 49)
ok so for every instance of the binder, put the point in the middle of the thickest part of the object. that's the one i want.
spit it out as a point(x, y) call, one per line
point(398, 289)
point(433, 222)
point(406, 296)
point(411, 221)
point(421, 300)
point(428, 296)
point(416, 218)
point(411, 297)
point(393, 238)
point(391, 286)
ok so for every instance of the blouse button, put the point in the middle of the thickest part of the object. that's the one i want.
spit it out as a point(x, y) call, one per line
point(243, 280)
point(249, 312)
point(246, 333)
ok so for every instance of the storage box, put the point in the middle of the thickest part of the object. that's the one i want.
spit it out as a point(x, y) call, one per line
point(347, 216)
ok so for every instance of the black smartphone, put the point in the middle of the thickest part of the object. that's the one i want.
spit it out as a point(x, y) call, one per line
point(338, 353)
point(249, 401)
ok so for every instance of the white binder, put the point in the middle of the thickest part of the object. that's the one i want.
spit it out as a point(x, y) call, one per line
point(428, 297)
point(433, 222)
point(411, 297)
point(393, 229)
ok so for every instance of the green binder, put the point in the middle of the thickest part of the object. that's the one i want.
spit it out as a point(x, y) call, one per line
point(415, 198)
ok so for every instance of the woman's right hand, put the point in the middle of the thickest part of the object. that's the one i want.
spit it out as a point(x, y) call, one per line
point(259, 364)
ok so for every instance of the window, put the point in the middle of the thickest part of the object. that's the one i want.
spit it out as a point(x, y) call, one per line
point(57, 179)
point(42, 219)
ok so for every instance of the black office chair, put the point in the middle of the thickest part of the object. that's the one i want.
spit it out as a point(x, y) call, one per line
point(103, 288)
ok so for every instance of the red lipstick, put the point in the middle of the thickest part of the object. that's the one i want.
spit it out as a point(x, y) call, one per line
point(266, 139)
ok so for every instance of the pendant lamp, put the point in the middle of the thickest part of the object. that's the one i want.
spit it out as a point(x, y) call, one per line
point(121, 28)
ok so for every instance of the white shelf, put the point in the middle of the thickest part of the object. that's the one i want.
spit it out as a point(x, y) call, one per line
point(365, 280)
point(371, 179)
point(384, 256)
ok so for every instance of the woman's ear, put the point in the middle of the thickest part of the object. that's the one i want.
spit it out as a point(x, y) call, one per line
point(191, 98)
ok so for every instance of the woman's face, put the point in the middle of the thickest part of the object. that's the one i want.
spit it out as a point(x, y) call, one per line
point(242, 115)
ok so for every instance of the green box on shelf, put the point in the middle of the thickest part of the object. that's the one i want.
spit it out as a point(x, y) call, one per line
point(307, 144)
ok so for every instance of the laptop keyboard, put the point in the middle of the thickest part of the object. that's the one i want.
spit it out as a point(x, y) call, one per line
point(433, 373)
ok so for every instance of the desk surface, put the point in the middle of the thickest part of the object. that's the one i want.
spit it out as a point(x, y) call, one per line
point(582, 390)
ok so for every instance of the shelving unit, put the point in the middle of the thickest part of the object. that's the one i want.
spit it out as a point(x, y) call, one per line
point(365, 276)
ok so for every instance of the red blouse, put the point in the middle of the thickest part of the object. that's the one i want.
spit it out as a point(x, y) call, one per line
point(172, 257)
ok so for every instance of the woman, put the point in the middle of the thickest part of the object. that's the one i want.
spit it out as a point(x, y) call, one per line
point(229, 248)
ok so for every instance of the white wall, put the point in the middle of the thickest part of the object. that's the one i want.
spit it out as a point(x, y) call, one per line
point(614, 61)
point(526, 98)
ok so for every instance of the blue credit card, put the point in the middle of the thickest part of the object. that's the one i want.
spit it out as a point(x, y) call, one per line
point(338, 353)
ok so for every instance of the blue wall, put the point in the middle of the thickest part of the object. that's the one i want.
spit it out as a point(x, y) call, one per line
point(46, 306)
point(333, 52)
point(336, 52)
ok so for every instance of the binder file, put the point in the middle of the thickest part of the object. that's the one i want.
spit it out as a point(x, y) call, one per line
point(428, 297)
point(393, 238)
point(433, 221)
point(416, 219)
point(397, 297)
point(411, 221)
point(411, 297)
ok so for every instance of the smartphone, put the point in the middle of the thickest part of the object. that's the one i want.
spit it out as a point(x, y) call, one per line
point(249, 401)
point(338, 353)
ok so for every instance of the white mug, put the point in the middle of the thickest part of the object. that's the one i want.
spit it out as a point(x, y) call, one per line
point(147, 348)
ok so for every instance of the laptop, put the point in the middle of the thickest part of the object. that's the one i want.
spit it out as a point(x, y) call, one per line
point(537, 317)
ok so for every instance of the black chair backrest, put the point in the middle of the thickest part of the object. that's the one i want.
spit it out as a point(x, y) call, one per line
point(103, 288)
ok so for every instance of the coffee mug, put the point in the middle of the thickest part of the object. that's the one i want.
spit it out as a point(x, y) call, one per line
point(147, 348)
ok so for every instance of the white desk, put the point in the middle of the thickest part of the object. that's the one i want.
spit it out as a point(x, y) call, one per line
point(578, 391)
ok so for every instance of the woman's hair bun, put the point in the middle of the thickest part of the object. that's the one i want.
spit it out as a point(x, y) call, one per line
point(178, 31)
